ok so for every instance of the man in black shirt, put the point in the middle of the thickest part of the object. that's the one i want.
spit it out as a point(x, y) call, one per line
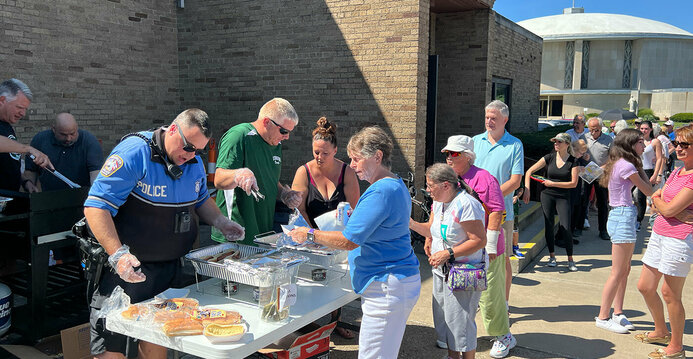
point(15, 98)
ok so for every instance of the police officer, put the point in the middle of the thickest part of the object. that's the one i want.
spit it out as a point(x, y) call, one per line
point(143, 209)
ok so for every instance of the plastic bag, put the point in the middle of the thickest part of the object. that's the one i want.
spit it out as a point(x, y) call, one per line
point(118, 301)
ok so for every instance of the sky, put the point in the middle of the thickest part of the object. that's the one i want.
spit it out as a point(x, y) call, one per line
point(673, 12)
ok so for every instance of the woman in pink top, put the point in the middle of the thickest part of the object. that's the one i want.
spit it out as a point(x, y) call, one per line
point(621, 172)
point(670, 253)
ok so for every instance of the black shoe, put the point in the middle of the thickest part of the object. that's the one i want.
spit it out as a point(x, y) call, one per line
point(575, 241)
point(605, 236)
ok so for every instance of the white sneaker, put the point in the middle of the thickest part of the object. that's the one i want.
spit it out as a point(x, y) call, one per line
point(587, 224)
point(610, 325)
point(552, 262)
point(441, 344)
point(572, 267)
point(502, 345)
point(623, 321)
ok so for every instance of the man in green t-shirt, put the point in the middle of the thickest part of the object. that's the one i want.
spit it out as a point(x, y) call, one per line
point(250, 157)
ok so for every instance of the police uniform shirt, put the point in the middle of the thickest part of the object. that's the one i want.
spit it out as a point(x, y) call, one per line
point(146, 202)
point(10, 166)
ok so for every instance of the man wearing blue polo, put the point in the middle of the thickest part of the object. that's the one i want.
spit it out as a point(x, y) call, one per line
point(502, 154)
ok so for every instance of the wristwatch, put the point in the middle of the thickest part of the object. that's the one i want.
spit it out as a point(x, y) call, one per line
point(310, 236)
point(452, 253)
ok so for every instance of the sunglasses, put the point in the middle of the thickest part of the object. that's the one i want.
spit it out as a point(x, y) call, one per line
point(684, 145)
point(282, 130)
point(186, 146)
point(452, 154)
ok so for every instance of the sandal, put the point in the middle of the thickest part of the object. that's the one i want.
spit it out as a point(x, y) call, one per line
point(645, 338)
point(661, 354)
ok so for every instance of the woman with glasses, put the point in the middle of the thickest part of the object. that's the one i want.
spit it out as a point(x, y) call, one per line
point(669, 253)
point(652, 160)
point(622, 171)
point(561, 177)
point(325, 182)
point(460, 156)
point(456, 232)
point(384, 269)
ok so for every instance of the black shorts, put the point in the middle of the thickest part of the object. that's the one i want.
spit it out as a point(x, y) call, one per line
point(160, 276)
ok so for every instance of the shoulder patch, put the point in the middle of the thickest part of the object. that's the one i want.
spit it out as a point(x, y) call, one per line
point(112, 164)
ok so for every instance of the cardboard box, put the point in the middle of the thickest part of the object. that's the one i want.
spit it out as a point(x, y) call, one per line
point(75, 342)
point(314, 345)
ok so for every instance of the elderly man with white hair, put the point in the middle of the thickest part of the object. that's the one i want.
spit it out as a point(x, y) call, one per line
point(598, 145)
point(15, 98)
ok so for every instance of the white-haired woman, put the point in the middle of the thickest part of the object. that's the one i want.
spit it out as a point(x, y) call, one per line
point(456, 231)
point(384, 269)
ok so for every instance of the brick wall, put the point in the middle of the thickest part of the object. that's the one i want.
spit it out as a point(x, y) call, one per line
point(111, 63)
point(461, 43)
point(515, 54)
point(356, 62)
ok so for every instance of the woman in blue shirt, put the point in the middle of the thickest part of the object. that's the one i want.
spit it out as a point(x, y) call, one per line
point(384, 269)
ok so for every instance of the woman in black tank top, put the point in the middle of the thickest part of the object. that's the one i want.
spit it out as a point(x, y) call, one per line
point(325, 181)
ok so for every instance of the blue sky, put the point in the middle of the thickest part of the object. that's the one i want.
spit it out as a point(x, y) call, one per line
point(673, 12)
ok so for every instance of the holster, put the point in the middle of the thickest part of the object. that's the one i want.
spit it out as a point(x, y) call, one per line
point(93, 256)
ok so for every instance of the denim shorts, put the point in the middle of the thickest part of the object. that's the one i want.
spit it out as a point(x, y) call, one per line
point(621, 224)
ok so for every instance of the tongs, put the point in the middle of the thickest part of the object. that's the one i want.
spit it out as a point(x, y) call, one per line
point(257, 195)
point(60, 176)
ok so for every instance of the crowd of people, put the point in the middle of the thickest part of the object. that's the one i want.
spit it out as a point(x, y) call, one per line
point(145, 200)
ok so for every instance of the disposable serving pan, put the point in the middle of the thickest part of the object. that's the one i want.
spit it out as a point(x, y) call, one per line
point(221, 271)
point(322, 258)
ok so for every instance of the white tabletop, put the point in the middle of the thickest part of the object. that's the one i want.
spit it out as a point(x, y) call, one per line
point(314, 300)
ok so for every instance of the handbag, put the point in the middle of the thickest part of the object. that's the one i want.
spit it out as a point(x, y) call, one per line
point(466, 276)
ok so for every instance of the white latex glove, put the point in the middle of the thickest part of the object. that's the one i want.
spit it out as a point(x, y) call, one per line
point(231, 230)
point(245, 179)
point(124, 264)
point(492, 241)
point(291, 198)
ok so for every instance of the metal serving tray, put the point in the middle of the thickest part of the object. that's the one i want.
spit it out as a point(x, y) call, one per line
point(221, 271)
point(322, 258)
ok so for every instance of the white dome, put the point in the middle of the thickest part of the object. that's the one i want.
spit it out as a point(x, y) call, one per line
point(600, 26)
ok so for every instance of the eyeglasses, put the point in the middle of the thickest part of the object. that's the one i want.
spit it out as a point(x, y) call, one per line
point(282, 130)
point(452, 154)
point(684, 145)
point(186, 146)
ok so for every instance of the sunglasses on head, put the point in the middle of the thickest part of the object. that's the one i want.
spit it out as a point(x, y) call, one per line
point(684, 145)
point(282, 130)
point(186, 146)
point(452, 154)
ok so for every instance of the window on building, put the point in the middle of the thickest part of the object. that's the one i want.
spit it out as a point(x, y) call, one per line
point(501, 90)
point(556, 108)
point(543, 107)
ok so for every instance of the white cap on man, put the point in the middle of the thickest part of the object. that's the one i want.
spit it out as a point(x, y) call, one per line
point(669, 123)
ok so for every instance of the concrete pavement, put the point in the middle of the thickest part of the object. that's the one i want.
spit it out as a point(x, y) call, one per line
point(551, 310)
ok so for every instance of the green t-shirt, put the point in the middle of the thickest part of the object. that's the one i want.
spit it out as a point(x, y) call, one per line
point(241, 146)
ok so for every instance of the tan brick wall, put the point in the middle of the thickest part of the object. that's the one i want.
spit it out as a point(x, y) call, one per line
point(112, 63)
point(515, 54)
point(356, 62)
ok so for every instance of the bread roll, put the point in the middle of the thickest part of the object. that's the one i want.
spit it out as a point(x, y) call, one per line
point(178, 327)
point(135, 311)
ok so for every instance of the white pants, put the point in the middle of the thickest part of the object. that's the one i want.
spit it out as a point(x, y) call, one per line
point(386, 307)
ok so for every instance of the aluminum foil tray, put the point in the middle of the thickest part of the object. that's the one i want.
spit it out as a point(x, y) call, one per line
point(221, 271)
point(321, 257)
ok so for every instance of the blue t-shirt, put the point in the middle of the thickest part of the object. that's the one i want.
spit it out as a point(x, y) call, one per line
point(129, 169)
point(502, 160)
point(379, 225)
point(672, 136)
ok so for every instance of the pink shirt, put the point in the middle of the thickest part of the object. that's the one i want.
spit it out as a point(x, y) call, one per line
point(619, 184)
point(670, 226)
point(488, 189)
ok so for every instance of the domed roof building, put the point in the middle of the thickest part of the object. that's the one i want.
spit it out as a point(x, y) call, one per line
point(594, 62)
